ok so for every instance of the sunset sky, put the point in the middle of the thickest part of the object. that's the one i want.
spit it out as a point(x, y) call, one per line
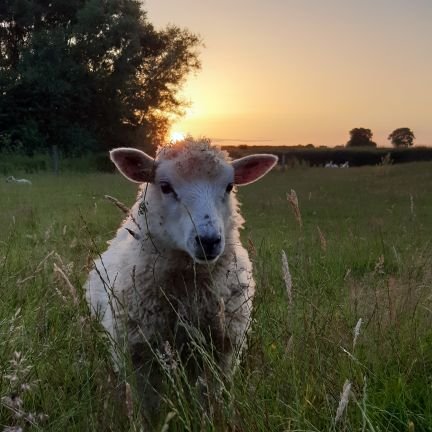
point(306, 71)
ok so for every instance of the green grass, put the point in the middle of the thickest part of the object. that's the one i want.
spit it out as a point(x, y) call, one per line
point(377, 265)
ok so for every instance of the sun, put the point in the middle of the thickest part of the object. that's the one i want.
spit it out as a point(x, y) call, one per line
point(177, 136)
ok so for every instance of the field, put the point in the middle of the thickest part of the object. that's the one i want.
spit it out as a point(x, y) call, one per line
point(363, 251)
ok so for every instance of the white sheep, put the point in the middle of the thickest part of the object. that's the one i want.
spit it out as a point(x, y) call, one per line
point(12, 179)
point(176, 263)
point(331, 165)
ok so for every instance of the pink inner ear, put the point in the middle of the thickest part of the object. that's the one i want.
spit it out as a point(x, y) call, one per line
point(251, 168)
point(134, 164)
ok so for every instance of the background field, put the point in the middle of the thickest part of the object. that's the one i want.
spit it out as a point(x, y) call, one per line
point(372, 261)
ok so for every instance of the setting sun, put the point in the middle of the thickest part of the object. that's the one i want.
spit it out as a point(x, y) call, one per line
point(177, 136)
point(281, 73)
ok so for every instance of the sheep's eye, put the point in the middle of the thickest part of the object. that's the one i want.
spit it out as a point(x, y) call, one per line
point(166, 188)
point(229, 188)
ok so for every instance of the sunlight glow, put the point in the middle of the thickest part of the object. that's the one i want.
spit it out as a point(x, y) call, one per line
point(177, 136)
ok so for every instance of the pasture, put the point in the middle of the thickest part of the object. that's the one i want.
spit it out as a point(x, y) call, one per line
point(364, 251)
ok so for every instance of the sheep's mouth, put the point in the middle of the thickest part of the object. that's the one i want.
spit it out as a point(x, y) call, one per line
point(205, 259)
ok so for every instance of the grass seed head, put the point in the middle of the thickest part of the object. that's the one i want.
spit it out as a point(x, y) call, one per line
point(293, 200)
point(357, 331)
point(287, 277)
point(343, 403)
point(323, 241)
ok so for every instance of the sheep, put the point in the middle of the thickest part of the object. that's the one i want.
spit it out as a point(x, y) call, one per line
point(176, 263)
point(12, 179)
point(331, 165)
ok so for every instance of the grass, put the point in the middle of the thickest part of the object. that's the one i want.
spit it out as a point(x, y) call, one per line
point(364, 251)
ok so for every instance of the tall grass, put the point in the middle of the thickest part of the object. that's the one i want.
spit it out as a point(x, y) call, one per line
point(359, 318)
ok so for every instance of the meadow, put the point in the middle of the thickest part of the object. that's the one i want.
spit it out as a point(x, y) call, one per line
point(360, 316)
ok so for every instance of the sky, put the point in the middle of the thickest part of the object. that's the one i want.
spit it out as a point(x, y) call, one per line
point(305, 71)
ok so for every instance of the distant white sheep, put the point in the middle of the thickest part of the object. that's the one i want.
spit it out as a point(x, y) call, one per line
point(12, 179)
point(331, 165)
point(334, 165)
point(176, 263)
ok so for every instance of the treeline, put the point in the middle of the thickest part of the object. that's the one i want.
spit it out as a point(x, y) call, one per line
point(320, 156)
point(290, 156)
point(82, 76)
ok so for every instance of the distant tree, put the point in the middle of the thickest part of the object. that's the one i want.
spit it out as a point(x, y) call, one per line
point(402, 137)
point(361, 137)
point(89, 74)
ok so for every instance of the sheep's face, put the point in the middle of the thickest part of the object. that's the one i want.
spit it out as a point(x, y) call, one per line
point(195, 205)
point(190, 195)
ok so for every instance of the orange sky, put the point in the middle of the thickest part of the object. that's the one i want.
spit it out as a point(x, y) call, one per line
point(306, 71)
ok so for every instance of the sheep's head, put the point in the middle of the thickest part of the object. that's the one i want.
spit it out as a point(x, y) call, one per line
point(191, 186)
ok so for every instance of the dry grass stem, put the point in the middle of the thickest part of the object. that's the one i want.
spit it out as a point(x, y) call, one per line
point(168, 418)
point(72, 289)
point(289, 346)
point(287, 277)
point(251, 248)
point(38, 269)
point(379, 265)
point(123, 207)
point(357, 332)
point(129, 401)
point(343, 403)
point(412, 205)
point(323, 241)
point(293, 200)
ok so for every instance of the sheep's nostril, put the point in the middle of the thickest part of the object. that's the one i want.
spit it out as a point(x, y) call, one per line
point(208, 245)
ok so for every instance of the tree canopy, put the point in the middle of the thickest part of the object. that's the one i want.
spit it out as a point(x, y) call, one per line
point(88, 74)
point(360, 137)
point(402, 137)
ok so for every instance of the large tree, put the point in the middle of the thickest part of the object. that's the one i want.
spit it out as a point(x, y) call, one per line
point(402, 137)
point(360, 137)
point(89, 74)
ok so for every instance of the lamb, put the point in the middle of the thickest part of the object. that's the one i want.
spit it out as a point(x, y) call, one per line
point(12, 179)
point(176, 263)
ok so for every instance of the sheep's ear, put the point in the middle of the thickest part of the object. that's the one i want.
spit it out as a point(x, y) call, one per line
point(251, 168)
point(134, 164)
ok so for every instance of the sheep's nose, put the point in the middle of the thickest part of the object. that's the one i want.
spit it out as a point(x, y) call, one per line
point(209, 245)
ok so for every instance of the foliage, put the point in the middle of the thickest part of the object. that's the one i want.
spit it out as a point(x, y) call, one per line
point(13, 162)
point(356, 156)
point(402, 137)
point(86, 74)
point(360, 137)
point(375, 265)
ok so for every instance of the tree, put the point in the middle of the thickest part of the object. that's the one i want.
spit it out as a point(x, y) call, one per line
point(402, 137)
point(361, 137)
point(88, 75)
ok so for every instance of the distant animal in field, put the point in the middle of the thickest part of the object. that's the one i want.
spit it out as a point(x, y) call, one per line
point(335, 165)
point(176, 267)
point(331, 165)
point(12, 179)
